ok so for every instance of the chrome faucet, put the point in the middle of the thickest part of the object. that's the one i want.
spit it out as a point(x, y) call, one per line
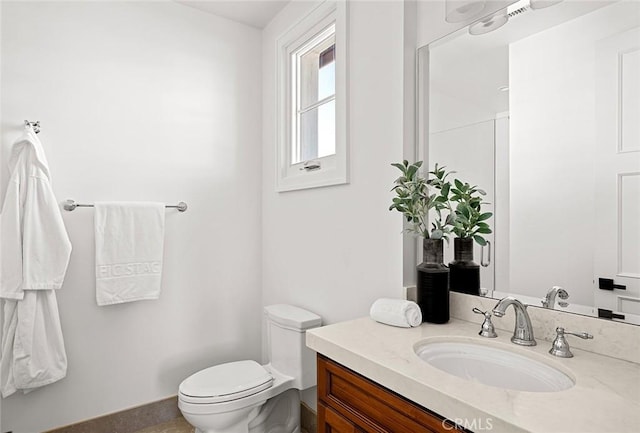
point(523, 331)
point(549, 300)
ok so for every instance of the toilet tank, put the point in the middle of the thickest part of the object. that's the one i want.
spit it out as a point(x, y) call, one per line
point(286, 349)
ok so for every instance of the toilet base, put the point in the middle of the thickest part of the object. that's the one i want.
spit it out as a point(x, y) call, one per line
point(280, 414)
point(226, 422)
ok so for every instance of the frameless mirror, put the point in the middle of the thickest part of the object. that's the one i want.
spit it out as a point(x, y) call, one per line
point(543, 112)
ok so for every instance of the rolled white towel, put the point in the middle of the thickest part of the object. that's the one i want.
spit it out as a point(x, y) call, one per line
point(396, 312)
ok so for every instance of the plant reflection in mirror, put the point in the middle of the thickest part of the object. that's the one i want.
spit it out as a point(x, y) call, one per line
point(469, 221)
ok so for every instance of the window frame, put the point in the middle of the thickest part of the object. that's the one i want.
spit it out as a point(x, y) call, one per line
point(333, 169)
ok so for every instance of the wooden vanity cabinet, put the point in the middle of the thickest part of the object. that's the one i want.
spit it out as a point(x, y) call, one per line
point(351, 403)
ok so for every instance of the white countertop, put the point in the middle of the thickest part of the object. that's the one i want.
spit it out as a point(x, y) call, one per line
point(605, 398)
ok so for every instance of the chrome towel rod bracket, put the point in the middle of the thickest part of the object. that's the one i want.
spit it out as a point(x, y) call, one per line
point(70, 205)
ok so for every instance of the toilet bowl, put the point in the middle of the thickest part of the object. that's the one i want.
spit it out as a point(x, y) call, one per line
point(246, 397)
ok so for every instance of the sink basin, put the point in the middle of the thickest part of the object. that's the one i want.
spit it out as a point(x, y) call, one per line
point(493, 366)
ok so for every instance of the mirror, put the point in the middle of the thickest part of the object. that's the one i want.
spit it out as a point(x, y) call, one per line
point(544, 114)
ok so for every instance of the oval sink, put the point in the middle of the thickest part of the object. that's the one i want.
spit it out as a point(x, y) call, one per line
point(492, 366)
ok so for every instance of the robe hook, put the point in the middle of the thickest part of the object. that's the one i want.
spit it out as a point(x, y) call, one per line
point(35, 125)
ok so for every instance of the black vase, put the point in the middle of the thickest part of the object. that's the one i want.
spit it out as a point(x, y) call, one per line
point(465, 273)
point(433, 283)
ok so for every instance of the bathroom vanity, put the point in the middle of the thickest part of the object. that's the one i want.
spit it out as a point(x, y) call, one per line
point(371, 379)
point(351, 403)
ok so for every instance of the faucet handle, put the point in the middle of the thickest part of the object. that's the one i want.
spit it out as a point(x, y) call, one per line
point(487, 329)
point(560, 346)
point(583, 335)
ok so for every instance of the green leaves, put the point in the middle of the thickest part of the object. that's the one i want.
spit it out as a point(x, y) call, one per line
point(469, 221)
point(416, 197)
point(412, 199)
point(480, 240)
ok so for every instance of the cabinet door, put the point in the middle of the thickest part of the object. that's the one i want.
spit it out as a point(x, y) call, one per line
point(329, 421)
point(369, 407)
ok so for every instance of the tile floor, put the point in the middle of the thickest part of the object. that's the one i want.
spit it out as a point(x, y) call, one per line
point(178, 425)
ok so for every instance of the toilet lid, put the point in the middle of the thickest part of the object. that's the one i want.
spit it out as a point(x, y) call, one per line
point(226, 382)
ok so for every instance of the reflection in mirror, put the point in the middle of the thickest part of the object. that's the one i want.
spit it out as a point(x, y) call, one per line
point(543, 113)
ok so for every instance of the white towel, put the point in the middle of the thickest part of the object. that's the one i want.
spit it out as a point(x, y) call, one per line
point(396, 312)
point(129, 247)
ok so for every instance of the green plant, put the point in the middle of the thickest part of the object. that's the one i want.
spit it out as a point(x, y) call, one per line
point(469, 221)
point(443, 186)
point(414, 200)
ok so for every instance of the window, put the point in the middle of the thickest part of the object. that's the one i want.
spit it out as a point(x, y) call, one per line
point(312, 148)
point(313, 98)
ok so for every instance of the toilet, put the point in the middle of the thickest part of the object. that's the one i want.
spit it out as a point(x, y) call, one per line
point(246, 397)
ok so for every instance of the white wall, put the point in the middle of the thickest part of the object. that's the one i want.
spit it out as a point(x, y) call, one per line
point(335, 250)
point(555, 149)
point(2, 169)
point(410, 151)
point(464, 75)
point(555, 154)
point(463, 110)
point(476, 143)
point(143, 101)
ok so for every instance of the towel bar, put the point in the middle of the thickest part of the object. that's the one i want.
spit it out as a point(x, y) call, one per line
point(70, 205)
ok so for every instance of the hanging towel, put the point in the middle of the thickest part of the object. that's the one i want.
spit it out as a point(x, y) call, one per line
point(396, 312)
point(129, 247)
point(35, 254)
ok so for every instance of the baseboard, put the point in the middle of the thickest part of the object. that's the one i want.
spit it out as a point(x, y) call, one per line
point(129, 420)
point(308, 419)
point(147, 415)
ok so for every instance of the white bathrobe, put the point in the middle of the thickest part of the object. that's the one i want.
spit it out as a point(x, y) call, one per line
point(35, 253)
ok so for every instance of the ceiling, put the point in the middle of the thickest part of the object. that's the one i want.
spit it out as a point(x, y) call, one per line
point(256, 13)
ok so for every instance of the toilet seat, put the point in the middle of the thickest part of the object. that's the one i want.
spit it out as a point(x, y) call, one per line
point(225, 382)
